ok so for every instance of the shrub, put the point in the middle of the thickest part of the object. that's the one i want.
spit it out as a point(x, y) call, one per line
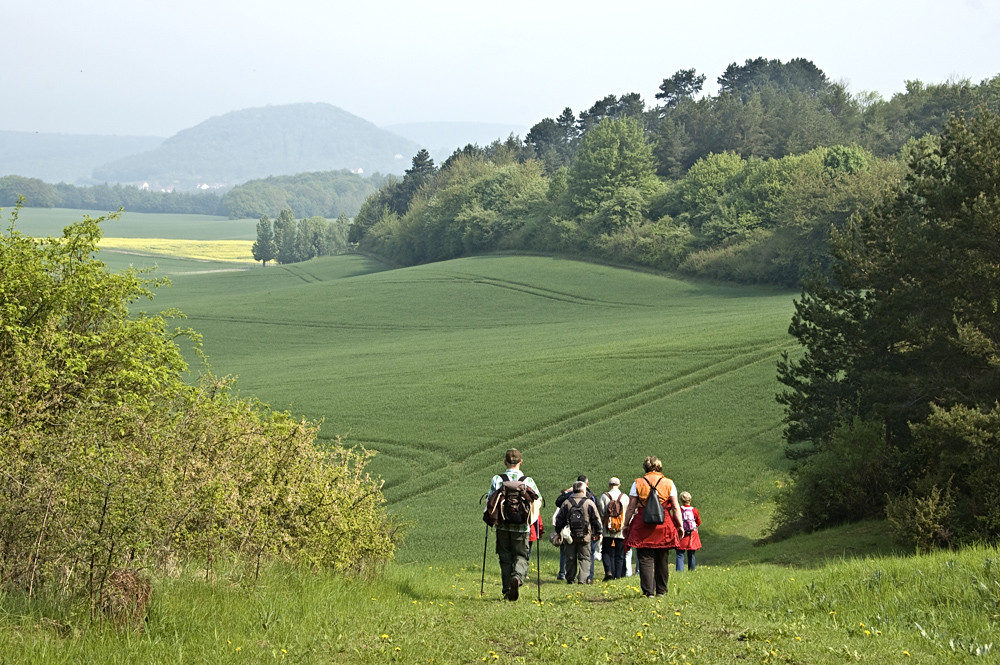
point(111, 462)
point(922, 521)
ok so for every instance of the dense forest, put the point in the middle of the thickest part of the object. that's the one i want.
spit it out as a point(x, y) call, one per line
point(742, 185)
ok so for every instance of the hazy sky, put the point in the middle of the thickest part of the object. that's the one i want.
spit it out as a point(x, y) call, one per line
point(145, 68)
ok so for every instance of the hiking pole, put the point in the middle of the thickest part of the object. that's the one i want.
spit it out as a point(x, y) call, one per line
point(538, 554)
point(482, 582)
point(538, 566)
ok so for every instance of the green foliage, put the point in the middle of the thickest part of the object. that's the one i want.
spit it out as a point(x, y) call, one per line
point(38, 194)
point(111, 461)
point(909, 324)
point(317, 194)
point(846, 481)
point(264, 248)
point(960, 446)
point(14, 189)
point(612, 156)
point(922, 521)
point(473, 205)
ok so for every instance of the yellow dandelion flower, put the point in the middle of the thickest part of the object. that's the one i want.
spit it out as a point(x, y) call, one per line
point(906, 653)
point(384, 636)
point(398, 649)
point(868, 632)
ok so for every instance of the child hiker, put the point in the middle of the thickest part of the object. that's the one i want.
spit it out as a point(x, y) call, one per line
point(690, 541)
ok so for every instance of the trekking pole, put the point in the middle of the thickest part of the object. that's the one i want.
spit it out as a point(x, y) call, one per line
point(538, 566)
point(482, 582)
point(538, 556)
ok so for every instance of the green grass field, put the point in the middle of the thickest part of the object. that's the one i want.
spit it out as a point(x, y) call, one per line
point(585, 368)
point(440, 368)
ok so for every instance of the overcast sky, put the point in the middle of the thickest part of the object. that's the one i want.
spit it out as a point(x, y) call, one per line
point(145, 68)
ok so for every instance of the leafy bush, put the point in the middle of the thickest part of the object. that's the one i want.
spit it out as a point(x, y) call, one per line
point(845, 481)
point(110, 461)
point(922, 521)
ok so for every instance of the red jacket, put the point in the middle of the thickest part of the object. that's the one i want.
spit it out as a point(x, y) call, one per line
point(692, 541)
point(653, 536)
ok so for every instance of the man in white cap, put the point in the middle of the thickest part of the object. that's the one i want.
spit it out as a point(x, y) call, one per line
point(611, 506)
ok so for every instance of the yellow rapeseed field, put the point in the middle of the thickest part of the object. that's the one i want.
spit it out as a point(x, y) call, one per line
point(237, 251)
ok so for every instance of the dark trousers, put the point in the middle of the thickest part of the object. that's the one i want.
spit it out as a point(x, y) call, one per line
point(512, 550)
point(613, 557)
point(577, 561)
point(654, 570)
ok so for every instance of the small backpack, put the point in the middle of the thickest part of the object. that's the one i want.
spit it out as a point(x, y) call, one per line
point(652, 512)
point(614, 516)
point(510, 504)
point(688, 522)
point(579, 525)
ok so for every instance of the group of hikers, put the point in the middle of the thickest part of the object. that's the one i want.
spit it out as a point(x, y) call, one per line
point(651, 519)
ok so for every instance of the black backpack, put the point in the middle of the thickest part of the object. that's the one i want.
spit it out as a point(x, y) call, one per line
point(510, 504)
point(579, 524)
point(652, 512)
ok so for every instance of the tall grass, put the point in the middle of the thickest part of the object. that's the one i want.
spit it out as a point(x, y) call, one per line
point(880, 610)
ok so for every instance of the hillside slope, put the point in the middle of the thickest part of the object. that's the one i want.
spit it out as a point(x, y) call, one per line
point(255, 143)
point(441, 367)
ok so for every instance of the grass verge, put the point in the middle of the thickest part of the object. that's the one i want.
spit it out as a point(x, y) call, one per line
point(896, 609)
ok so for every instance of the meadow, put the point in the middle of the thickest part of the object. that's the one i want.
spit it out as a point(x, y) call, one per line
point(586, 369)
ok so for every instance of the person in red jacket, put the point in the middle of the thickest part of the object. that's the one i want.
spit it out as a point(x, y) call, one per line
point(690, 541)
point(652, 542)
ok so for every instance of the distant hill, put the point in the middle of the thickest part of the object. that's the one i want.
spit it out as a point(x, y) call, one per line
point(259, 142)
point(441, 139)
point(69, 158)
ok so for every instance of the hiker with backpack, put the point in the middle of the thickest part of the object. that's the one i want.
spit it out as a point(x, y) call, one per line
point(612, 506)
point(512, 498)
point(579, 512)
point(652, 520)
point(690, 540)
point(565, 494)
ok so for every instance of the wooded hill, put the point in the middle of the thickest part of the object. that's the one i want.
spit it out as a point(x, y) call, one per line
point(741, 185)
point(260, 142)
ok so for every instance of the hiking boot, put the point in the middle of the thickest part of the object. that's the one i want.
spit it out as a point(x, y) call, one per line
point(514, 591)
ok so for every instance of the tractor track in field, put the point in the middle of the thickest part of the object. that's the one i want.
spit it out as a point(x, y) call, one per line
point(540, 292)
point(548, 433)
point(375, 327)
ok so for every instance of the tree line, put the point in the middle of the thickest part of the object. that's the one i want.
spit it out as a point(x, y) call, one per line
point(289, 241)
point(326, 194)
point(891, 408)
point(744, 185)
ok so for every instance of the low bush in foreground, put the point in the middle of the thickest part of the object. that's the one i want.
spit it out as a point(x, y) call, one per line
point(113, 468)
